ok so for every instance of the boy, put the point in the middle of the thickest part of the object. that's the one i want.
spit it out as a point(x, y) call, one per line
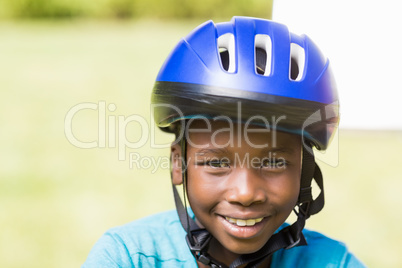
point(246, 100)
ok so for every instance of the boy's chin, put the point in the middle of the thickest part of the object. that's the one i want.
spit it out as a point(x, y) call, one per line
point(243, 246)
point(241, 249)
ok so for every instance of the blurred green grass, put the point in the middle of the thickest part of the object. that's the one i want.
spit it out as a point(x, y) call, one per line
point(57, 200)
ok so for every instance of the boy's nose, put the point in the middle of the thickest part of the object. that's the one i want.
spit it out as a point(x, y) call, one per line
point(245, 188)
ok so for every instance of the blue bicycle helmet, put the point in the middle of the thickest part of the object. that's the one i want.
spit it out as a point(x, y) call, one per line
point(259, 63)
point(270, 72)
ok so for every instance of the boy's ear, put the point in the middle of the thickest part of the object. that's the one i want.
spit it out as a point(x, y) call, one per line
point(175, 154)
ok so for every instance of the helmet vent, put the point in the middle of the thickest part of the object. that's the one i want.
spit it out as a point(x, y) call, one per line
point(297, 61)
point(263, 54)
point(226, 48)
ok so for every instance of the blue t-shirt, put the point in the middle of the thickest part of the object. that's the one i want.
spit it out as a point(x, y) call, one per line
point(159, 241)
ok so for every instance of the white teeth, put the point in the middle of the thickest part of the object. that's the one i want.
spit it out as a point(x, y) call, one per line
point(250, 222)
point(239, 222)
point(231, 220)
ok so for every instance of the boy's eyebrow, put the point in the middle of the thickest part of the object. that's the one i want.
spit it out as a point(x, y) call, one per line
point(214, 151)
point(220, 151)
point(288, 150)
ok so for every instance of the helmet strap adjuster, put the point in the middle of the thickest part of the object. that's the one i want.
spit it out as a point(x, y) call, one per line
point(198, 242)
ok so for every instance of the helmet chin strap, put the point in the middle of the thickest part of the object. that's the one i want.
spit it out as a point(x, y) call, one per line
point(291, 236)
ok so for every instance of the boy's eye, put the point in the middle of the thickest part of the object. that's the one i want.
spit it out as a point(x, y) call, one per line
point(273, 163)
point(218, 163)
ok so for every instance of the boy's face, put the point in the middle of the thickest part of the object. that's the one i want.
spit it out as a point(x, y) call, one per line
point(241, 187)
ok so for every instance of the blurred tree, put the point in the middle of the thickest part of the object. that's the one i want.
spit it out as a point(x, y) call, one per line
point(122, 9)
point(41, 9)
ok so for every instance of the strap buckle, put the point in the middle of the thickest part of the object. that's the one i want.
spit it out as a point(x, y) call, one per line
point(303, 210)
point(199, 246)
point(294, 233)
point(204, 258)
point(294, 239)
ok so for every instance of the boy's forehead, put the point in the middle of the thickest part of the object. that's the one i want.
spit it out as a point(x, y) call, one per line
point(221, 131)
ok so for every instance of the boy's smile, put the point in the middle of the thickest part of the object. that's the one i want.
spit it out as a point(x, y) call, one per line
point(240, 194)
